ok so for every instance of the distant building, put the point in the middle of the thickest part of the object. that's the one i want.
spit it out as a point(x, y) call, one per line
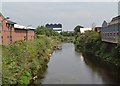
point(82, 30)
point(110, 32)
point(97, 29)
point(55, 27)
point(23, 32)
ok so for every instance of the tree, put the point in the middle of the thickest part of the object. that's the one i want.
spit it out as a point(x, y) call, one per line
point(41, 30)
point(77, 29)
point(93, 26)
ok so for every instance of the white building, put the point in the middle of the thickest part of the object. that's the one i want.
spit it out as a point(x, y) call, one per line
point(84, 29)
point(55, 27)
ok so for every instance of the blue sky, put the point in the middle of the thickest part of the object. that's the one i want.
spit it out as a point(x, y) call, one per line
point(69, 14)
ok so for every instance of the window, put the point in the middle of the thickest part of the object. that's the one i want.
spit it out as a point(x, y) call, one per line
point(7, 26)
point(110, 34)
point(24, 37)
point(117, 33)
point(2, 39)
point(114, 34)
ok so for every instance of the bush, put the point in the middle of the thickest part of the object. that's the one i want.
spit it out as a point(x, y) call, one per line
point(23, 59)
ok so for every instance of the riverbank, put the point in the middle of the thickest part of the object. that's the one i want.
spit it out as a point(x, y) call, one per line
point(91, 42)
point(22, 60)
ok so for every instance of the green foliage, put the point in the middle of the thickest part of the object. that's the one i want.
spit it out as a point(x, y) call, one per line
point(24, 79)
point(66, 33)
point(90, 42)
point(41, 30)
point(77, 29)
point(23, 59)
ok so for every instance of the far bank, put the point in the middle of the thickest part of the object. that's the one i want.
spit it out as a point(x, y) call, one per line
point(91, 42)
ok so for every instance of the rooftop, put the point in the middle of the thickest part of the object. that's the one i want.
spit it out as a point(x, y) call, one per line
point(22, 27)
point(10, 22)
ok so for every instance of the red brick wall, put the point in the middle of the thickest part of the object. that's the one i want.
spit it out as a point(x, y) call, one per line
point(4, 33)
point(16, 34)
point(31, 35)
point(21, 35)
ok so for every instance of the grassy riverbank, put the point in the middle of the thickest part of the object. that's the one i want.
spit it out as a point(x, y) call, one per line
point(91, 42)
point(22, 60)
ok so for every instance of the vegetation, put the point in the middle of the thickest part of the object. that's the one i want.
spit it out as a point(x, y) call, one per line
point(67, 33)
point(90, 41)
point(77, 29)
point(43, 31)
point(23, 59)
point(67, 36)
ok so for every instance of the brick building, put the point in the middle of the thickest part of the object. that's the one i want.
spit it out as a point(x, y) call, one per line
point(11, 32)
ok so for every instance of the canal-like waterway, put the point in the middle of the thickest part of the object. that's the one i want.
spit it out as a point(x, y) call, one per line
point(67, 66)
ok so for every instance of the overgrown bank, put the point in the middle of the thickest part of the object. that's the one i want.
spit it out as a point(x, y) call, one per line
point(90, 41)
point(22, 60)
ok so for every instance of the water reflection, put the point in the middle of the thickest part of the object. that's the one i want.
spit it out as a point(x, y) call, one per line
point(108, 72)
point(69, 67)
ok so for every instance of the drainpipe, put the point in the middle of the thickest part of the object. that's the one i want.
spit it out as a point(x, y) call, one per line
point(27, 32)
point(10, 33)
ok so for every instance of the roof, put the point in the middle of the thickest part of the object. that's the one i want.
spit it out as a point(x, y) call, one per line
point(115, 20)
point(1, 14)
point(10, 22)
point(53, 25)
point(17, 26)
point(30, 28)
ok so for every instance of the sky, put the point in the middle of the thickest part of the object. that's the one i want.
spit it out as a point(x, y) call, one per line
point(69, 14)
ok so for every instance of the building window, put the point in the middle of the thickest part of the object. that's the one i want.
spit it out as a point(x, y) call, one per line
point(24, 37)
point(7, 26)
point(2, 39)
point(117, 33)
point(114, 34)
point(110, 34)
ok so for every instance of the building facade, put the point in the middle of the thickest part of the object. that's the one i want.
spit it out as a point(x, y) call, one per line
point(55, 27)
point(82, 30)
point(111, 32)
point(11, 32)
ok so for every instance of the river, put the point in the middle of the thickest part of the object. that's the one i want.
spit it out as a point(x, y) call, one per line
point(67, 66)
